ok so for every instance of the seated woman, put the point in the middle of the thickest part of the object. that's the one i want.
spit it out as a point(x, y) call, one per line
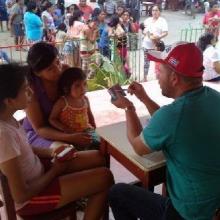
point(45, 73)
point(211, 57)
point(61, 182)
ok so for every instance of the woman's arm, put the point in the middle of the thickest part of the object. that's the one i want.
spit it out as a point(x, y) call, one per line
point(22, 191)
point(54, 116)
point(90, 115)
point(216, 66)
point(43, 129)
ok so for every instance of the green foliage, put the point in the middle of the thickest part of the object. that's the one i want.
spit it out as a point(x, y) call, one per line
point(106, 73)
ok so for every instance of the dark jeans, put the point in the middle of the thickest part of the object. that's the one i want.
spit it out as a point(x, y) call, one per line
point(131, 203)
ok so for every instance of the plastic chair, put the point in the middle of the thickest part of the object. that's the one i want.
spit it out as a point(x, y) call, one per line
point(8, 204)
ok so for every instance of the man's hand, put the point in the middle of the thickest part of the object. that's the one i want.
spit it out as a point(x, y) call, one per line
point(121, 101)
point(138, 90)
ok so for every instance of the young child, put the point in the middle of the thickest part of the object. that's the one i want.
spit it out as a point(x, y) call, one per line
point(88, 43)
point(61, 37)
point(72, 112)
point(56, 184)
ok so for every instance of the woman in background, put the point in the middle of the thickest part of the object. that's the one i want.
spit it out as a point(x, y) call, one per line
point(33, 24)
point(211, 57)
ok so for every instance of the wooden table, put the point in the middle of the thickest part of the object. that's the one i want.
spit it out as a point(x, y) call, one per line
point(149, 169)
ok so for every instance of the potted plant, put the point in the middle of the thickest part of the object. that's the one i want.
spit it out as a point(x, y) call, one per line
point(106, 73)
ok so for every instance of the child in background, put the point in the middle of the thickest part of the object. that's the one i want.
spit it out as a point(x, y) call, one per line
point(72, 112)
point(61, 36)
point(88, 44)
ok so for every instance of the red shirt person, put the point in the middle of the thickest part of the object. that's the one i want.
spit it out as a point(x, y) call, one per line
point(86, 9)
point(211, 20)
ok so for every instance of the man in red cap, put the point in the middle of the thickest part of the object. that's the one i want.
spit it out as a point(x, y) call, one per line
point(187, 134)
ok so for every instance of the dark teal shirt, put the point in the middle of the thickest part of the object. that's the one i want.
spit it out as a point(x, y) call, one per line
point(188, 132)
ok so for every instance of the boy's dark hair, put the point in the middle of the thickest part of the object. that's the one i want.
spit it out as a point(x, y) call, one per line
point(160, 45)
point(31, 6)
point(68, 77)
point(61, 27)
point(40, 56)
point(12, 76)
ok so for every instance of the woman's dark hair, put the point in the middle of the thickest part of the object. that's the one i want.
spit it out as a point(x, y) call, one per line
point(212, 4)
point(114, 21)
point(68, 77)
point(96, 12)
point(205, 40)
point(12, 77)
point(126, 11)
point(31, 6)
point(75, 7)
point(48, 5)
point(61, 27)
point(77, 14)
point(40, 56)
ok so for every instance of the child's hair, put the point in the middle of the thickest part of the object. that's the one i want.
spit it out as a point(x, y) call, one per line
point(160, 45)
point(114, 21)
point(205, 40)
point(77, 14)
point(142, 26)
point(61, 27)
point(12, 76)
point(68, 77)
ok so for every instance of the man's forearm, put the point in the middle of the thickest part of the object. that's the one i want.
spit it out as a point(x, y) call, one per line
point(150, 105)
point(134, 126)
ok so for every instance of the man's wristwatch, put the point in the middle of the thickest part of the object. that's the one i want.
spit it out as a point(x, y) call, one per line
point(130, 108)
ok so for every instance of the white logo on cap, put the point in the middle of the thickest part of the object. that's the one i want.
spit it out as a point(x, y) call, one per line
point(173, 61)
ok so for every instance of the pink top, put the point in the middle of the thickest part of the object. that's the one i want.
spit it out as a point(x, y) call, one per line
point(75, 29)
point(209, 15)
point(87, 11)
point(13, 144)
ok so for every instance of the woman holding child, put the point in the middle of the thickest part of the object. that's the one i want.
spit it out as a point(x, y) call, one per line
point(46, 71)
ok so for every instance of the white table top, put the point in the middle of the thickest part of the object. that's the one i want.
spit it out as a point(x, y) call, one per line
point(115, 134)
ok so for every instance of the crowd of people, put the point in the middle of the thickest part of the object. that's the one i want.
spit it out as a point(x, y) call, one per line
point(81, 31)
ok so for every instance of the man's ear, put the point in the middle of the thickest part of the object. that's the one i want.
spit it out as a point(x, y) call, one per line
point(174, 78)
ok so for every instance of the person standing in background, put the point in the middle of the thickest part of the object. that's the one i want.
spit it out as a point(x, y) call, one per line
point(211, 20)
point(3, 14)
point(156, 28)
point(33, 24)
point(48, 22)
point(16, 23)
point(101, 4)
point(211, 57)
point(134, 8)
point(85, 9)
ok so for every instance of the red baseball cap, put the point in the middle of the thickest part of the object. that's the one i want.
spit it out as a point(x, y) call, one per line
point(184, 58)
